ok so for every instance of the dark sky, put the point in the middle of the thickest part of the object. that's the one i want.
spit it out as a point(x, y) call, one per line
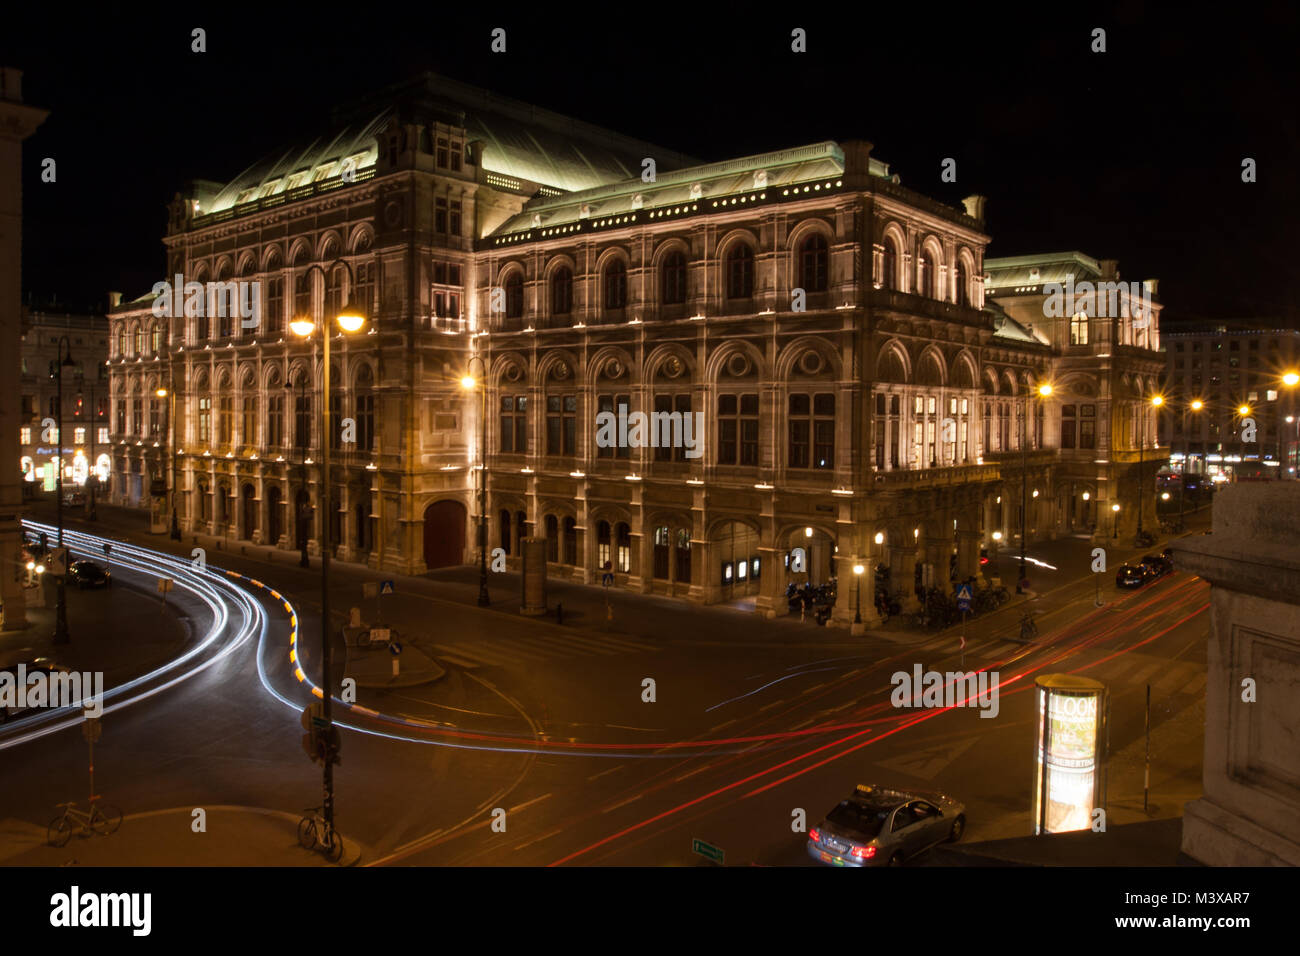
point(1134, 154)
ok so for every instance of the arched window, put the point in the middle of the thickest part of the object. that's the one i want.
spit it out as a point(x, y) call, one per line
point(814, 260)
point(121, 343)
point(924, 274)
point(552, 538)
point(365, 408)
point(962, 280)
point(570, 542)
point(515, 296)
point(139, 340)
point(623, 548)
point(157, 335)
point(616, 285)
point(889, 264)
point(302, 295)
point(503, 523)
point(673, 279)
point(562, 291)
point(740, 272)
point(603, 558)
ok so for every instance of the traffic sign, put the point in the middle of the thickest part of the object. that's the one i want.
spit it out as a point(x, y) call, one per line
point(707, 851)
point(963, 597)
point(394, 647)
point(386, 587)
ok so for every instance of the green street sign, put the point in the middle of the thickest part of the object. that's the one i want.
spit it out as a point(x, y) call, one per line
point(707, 850)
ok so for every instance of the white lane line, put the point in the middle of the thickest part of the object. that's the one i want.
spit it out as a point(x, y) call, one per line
point(529, 803)
point(603, 772)
point(459, 661)
point(539, 839)
point(473, 653)
point(513, 652)
point(623, 804)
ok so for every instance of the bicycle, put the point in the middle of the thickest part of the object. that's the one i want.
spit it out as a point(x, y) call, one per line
point(101, 820)
point(1028, 626)
point(310, 829)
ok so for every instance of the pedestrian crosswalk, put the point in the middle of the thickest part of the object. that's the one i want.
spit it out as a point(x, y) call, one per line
point(535, 648)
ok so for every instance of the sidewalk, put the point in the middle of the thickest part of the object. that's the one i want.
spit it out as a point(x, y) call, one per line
point(234, 836)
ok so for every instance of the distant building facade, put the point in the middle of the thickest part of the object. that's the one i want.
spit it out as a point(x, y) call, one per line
point(1236, 369)
point(861, 370)
point(84, 445)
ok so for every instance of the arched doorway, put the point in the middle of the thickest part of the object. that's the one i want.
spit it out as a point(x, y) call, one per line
point(444, 534)
point(274, 518)
point(249, 496)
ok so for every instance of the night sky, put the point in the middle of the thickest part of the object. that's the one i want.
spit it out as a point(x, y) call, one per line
point(1134, 154)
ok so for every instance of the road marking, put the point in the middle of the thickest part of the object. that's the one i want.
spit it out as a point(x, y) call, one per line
point(1141, 676)
point(458, 661)
point(603, 772)
point(539, 839)
point(623, 804)
point(529, 803)
point(1194, 687)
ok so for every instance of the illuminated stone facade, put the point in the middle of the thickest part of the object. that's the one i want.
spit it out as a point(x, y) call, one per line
point(859, 365)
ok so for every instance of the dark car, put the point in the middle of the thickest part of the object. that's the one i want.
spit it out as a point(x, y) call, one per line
point(88, 574)
point(11, 674)
point(1158, 565)
point(1133, 576)
point(880, 827)
point(1168, 555)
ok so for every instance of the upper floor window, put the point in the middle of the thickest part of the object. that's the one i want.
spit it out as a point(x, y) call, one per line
point(1079, 329)
point(740, 272)
point(673, 279)
point(515, 296)
point(157, 335)
point(616, 285)
point(812, 431)
point(616, 405)
point(814, 264)
point(561, 424)
point(514, 425)
point(961, 280)
point(924, 276)
point(562, 291)
point(889, 264)
point(738, 429)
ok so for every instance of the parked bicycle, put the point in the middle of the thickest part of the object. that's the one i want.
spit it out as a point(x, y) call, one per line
point(99, 819)
point(1028, 626)
point(314, 832)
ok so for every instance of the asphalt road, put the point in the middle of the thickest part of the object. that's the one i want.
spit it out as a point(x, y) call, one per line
point(750, 723)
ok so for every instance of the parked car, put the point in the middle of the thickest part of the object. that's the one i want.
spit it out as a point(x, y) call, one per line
point(1133, 576)
point(74, 498)
point(31, 665)
point(1168, 555)
point(88, 574)
point(880, 827)
point(1158, 565)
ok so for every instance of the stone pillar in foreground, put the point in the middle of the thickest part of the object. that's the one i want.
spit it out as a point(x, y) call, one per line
point(1250, 812)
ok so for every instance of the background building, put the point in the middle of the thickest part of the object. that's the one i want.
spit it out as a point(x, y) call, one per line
point(85, 440)
point(1229, 366)
point(861, 398)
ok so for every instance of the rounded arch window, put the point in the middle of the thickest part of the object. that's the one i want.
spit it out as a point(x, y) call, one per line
point(673, 279)
point(740, 272)
point(515, 296)
point(562, 291)
point(616, 285)
point(814, 263)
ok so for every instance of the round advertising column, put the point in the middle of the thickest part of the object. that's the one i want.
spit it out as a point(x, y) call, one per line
point(534, 576)
point(1070, 753)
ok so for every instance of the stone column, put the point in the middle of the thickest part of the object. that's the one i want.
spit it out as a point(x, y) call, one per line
point(1250, 812)
point(968, 554)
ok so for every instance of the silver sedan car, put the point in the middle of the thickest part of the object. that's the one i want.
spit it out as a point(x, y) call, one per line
point(880, 827)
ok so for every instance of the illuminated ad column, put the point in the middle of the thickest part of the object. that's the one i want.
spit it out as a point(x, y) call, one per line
point(1070, 756)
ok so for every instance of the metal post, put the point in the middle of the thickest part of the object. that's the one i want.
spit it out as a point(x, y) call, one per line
point(327, 685)
point(1141, 480)
point(171, 450)
point(482, 488)
point(61, 635)
point(1146, 773)
point(1024, 497)
point(1182, 486)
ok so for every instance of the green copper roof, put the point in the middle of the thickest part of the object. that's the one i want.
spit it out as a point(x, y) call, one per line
point(520, 141)
point(1013, 271)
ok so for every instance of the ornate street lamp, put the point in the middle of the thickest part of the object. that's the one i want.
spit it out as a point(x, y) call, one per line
point(469, 382)
point(351, 319)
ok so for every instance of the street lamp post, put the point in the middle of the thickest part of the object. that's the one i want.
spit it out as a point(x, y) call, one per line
point(470, 382)
point(61, 635)
point(1043, 391)
point(1290, 380)
point(1115, 509)
point(299, 509)
point(1156, 402)
point(1195, 405)
point(857, 597)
